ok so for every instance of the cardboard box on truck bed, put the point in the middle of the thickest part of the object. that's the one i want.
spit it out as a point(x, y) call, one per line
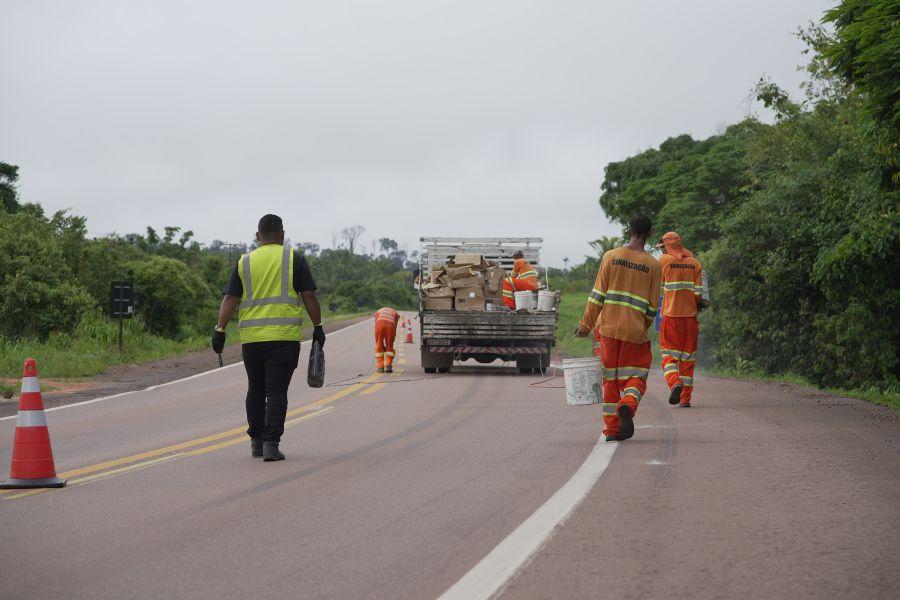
point(436, 290)
point(469, 292)
point(437, 303)
point(467, 282)
point(470, 304)
point(476, 260)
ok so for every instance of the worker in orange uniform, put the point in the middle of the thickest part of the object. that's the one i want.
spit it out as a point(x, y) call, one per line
point(385, 333)
point(682, 299)
point(524, 273)
point(620, 310)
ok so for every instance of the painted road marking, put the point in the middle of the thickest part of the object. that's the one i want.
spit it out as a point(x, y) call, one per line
point(163, 459)
point(374, 388)
point(156, 387)
point(503, 562)
point(175, 449)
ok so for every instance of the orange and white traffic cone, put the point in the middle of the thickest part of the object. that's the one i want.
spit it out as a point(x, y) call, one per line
point(32, 458)
point(409, 339)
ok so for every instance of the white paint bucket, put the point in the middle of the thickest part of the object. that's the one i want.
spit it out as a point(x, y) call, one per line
point(524, 300)
point(584, 380)
point(546, 301)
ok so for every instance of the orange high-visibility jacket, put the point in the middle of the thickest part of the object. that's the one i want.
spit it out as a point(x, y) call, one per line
point(625, 295)
point(387, 314)
point(682, 285)
point(525, 273)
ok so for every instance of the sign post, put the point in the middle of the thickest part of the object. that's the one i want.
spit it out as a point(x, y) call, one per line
point(121, 303)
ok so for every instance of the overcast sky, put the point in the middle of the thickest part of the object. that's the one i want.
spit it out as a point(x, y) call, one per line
point(410, 118)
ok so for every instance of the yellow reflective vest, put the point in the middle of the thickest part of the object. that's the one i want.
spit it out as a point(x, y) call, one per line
point(270, 307)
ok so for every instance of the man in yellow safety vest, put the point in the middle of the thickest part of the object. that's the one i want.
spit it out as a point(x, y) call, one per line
point(268, 286)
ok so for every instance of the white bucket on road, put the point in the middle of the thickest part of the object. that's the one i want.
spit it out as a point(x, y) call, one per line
point(546, 301)
point(584, 380)
point(524, 300)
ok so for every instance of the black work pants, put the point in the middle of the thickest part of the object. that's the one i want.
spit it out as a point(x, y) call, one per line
point(270, 366)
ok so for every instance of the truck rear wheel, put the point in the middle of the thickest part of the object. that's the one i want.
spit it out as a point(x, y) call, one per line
point(430, 369)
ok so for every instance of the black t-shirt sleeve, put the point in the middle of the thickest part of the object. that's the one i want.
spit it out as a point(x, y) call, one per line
point(234, 287)
point(303, 279)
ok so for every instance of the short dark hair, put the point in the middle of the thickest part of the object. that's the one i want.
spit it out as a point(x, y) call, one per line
point(270, 225)
point(639, 226)
point(519, 254)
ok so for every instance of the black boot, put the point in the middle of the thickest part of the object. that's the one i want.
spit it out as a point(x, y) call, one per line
point(626, 427)
point(271, 452)
point(256, 448)
point(389, 369)
point(675, 396)
point(613, 438)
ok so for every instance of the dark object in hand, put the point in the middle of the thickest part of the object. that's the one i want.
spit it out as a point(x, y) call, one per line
point(319, 335)
point(218, 341)
point(315, 372)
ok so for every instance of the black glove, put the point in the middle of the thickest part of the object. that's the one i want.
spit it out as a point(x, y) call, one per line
point(218, 341)
point(319, 335)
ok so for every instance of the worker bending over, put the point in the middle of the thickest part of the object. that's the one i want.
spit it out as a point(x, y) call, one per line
point(625, 298)
point(524, 273)
point(270, 286)
point(682, 299)
point(385, 334)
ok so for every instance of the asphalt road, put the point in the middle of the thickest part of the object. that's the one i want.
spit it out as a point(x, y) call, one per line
point(398, 486)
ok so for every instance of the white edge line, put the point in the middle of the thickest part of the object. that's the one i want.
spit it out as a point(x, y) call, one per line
point(154, 387)
point(503, 562)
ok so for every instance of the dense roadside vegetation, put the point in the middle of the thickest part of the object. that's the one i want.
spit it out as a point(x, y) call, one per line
point(54, 287)
point(797, 222)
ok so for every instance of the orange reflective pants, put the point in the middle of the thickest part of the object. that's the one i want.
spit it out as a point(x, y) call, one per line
point(625, 369)
point(512, 285)
point(385, 332)
point(677, 344)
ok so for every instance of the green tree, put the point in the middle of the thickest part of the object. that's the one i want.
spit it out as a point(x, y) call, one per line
point(9, 175)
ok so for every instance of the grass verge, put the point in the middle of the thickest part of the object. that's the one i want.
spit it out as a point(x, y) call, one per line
point(571, 308)
point(93, 348)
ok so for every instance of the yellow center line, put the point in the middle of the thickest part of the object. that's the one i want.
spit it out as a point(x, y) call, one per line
point(176, 448)
point(177, 455)
point(374, 388)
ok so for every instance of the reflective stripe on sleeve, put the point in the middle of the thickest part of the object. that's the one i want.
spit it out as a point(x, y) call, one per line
point(31, 418)
point(596, 296)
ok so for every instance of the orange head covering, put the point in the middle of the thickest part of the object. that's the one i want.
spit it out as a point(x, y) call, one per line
point(671, 241)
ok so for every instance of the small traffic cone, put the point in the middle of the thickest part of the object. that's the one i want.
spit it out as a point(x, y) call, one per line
point(32, 458)
point(409, 339)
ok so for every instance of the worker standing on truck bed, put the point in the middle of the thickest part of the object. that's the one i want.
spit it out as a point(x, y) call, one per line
point(625, 297)
point(682, 299)
point(524, 273)
point(269, 285)
point(385, 334)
